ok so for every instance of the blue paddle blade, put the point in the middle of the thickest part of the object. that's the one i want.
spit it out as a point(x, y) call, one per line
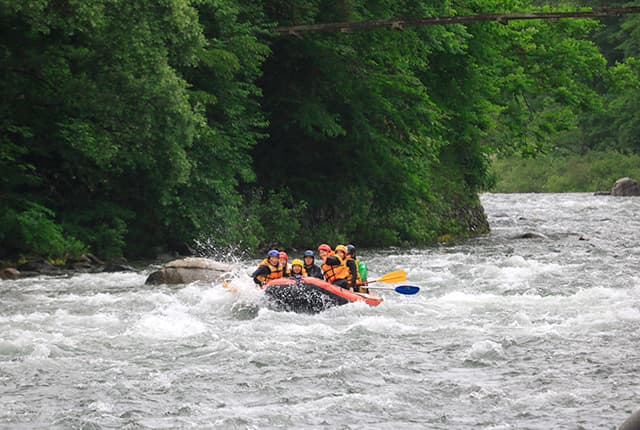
point(407, 289)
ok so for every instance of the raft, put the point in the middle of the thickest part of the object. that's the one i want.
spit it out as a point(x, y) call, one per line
point(311, 295)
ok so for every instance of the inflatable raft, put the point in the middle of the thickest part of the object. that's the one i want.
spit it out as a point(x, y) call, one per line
point(311, 295)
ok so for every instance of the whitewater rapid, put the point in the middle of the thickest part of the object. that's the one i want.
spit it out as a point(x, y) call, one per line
point(506, 333)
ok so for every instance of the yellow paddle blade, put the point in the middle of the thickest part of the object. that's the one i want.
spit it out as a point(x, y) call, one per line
point(393, 277)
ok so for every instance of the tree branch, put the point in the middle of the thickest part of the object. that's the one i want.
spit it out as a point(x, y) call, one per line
point(502, 18)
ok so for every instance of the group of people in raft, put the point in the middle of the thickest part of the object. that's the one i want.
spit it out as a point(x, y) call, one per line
point(339, 267)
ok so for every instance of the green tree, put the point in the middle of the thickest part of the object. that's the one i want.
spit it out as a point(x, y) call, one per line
point(94, 113)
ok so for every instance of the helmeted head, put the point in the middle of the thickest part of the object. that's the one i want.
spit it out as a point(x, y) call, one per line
point(351, 250)
point(342, 249)
point(273, 256)
point(283, 257)
point(324, 250)
point(308, 257)
point(297, 264)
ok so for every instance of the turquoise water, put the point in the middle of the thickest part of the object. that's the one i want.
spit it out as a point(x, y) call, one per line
point(506, 333)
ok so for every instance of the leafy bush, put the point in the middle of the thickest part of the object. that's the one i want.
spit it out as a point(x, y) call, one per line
point(34, 231)
point(596, 170)
point(275, 217)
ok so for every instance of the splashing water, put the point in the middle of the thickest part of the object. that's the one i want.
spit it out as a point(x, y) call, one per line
point(506, 333)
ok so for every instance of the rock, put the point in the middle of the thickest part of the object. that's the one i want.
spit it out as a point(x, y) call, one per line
point(81, 263)
point(39, 266)
point(602, 193)
point(95, 260)
point(85, 263)
point(625, 187)
point(531, 235)
point(118, 260)
point(190, 269)
point(117, 267)
point(9, 273)
point(631, 423)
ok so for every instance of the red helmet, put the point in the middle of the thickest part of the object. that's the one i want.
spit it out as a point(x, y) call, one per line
point(283, 255)
point(324, 247)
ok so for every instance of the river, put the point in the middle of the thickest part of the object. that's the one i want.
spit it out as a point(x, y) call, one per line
point(506, 333)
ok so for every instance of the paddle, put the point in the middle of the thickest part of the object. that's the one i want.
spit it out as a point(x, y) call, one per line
point(409, 290)
point(391, 277)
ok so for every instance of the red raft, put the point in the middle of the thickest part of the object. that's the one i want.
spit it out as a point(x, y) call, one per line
point(311, 295)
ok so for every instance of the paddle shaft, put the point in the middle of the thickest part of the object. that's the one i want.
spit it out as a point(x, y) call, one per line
point(402, 289)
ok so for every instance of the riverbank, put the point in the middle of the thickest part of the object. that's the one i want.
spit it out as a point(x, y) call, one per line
point(592, 172)
point(87, 263)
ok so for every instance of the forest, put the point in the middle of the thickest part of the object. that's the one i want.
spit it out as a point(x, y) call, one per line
point(127, 128)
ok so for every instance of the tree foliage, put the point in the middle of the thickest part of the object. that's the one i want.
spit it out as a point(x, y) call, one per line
point(130, 125)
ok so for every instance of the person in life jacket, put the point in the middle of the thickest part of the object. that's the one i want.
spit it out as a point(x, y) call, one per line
point(309, 266)
point(361, 268)
point(284, 258)
point(324, 251)
point(297, 269)
point(268, 269)
point(335, 269)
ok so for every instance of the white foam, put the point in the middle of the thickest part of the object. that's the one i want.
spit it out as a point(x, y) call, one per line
point(486, 350)
point(40, 351)
point(603, 318)
point(172, 322)
point(515, 270)
point(307, 330)
point(244, 289)
point(8, 347)
point(101, 299)
point(33, 345)
point(382, 325)
point(100, 406)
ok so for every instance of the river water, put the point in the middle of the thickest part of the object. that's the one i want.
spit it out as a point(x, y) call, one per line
point(506, 333)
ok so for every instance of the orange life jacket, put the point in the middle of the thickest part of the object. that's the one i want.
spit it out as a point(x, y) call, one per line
point(335, 273)
point(275, 271)
point(358, 279)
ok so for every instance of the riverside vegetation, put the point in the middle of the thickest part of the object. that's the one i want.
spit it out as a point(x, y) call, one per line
point(126, 126)
point(552, 173)
point(603, 145)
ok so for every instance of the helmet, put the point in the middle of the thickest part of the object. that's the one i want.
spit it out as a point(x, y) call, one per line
point(351, 250)
point(297, 262)
point(341, 248)
point(324, 247)
point(308, 253)
point(284, 255)
point(273, 253)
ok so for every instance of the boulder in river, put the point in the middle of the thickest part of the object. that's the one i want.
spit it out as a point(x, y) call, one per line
point(38, 267)
point(632, 422)
point(9, 273)
point(530, 235)
point(190, 269)
point(626, 187)
point(84, 263)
